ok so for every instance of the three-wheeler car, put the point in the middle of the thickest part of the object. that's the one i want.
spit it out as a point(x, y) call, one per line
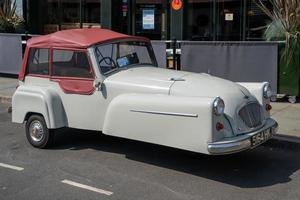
point(97, 79)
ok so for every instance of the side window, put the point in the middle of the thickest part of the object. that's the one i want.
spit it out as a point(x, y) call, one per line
point(68, 63)
point(38, 62)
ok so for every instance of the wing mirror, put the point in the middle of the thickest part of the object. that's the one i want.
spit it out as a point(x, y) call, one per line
point(98, 84)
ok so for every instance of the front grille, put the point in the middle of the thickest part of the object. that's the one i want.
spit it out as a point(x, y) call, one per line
point(251, 114)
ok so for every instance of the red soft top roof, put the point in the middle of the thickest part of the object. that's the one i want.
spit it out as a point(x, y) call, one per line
point(78, 38)
point(74, 39)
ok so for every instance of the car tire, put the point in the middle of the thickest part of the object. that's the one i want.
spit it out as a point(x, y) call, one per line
point(37, 133)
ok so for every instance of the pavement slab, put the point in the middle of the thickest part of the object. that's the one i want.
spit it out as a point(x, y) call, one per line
point(7, 88)
point(288, 117)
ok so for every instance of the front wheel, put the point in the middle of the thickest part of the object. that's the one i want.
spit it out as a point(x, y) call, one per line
point(37, 132)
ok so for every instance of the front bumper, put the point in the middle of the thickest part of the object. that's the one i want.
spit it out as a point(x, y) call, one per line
point(240, 143)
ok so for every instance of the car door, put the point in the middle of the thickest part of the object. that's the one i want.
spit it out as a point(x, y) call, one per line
point(73, 77)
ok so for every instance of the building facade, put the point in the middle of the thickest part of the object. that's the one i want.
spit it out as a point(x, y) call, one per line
point(199, 20)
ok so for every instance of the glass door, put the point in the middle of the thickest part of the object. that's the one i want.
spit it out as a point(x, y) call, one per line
point(70, 11)
point(229, 20)
point(150, 19)
point(199, 20)
point(121, 16)
point(52, 22)
point(91, 13)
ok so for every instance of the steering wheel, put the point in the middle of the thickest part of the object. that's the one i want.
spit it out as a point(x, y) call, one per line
point(110, 59)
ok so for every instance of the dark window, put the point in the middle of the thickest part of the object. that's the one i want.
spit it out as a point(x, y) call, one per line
point(257, 21)
point(69, 14)
point(71, 64)
point(148, 18)
point(229, 20)
point(91, 11)
point(38, 62)
point(52, 16)
point(199, 20)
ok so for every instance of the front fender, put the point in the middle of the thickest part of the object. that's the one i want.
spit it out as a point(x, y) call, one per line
point(180, 122)
point(40, 100)
point(256, 89)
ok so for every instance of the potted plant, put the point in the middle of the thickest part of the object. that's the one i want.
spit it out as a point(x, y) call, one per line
point(10, 22)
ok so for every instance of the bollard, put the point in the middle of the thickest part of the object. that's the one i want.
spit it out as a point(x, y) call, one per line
point(174, 41)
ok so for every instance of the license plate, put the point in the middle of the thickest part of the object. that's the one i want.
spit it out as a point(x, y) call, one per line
point(261, 137)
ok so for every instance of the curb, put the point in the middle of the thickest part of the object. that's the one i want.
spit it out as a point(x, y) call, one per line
point(5, 99)
point(287, 138)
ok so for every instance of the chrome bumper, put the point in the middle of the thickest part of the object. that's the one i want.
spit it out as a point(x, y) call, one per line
point(240, 143)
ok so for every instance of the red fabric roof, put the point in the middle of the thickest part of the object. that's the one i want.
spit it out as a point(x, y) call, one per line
point(78, 38)
point(74, 38)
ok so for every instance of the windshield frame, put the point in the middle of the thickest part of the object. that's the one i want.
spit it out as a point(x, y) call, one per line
point(118, 68)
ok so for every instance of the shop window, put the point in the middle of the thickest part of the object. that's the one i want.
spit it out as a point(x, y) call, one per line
point(91, 13)
point(52, 17)
point(38, 62)
point(199, 20)
point(120, 16)
point(257, 21)
point(149, 18)
point(68, 63)
point(229, 20)
point(70, 14)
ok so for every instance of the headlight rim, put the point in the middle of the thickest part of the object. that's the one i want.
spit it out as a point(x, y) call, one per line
point(218, 106)
point(267, 91)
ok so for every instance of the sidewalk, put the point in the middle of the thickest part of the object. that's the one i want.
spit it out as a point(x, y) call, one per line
point(287, 115)
point(7, 88)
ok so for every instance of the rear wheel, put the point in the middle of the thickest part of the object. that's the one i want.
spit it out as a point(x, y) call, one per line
point(37, 132)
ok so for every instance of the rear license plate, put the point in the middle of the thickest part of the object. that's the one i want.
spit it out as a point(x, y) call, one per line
point(261, 137)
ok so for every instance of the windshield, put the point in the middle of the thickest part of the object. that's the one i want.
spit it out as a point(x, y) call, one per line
point(121, 55)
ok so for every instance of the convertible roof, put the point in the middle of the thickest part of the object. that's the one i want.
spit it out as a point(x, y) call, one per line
point(74, 39)
point(79, 38)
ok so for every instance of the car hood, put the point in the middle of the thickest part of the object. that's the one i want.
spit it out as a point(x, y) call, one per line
point(143, 79)
point(205, 85)
point(177, 83)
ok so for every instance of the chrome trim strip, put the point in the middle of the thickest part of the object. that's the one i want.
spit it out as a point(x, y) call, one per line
point(166, 113)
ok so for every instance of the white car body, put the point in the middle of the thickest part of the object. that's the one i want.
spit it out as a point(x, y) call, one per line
point(151, 104)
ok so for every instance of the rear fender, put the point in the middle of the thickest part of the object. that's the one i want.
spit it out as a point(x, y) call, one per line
point(40, 100)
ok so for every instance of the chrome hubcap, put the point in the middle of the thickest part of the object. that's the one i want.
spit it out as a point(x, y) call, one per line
point(36, 131)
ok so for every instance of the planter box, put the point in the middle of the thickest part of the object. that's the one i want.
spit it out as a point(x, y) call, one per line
point(10, 53)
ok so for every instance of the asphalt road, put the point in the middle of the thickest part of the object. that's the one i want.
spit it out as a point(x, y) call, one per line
point(128, 170)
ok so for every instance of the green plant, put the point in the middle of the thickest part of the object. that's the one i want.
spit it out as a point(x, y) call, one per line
point(9, 20)
point(285, 25)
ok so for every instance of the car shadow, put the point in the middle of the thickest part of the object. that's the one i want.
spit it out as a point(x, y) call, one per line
point(270, 164)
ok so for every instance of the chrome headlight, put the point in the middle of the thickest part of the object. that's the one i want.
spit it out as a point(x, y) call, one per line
point(218, 106)
point(267, 91)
